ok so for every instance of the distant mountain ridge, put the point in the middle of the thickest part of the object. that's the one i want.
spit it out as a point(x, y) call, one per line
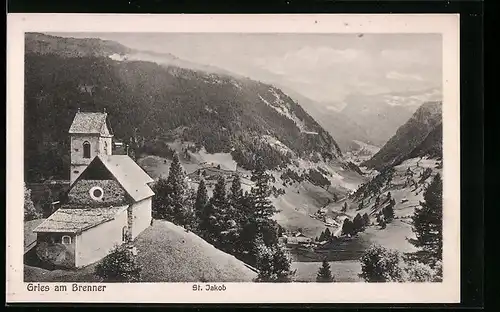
point(42, 44)
point(420, 136)
point(372, 119)
point(340, 126)
point(150, 104)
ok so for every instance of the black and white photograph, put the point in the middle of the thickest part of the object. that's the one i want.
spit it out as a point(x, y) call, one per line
point(214, 158)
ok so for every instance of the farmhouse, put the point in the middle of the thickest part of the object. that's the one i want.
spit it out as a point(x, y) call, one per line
point(108, 202)
point(298, 239)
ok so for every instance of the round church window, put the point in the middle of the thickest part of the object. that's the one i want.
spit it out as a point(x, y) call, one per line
point(96, 193)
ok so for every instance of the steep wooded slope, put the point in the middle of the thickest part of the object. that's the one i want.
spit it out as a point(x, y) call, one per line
point(411, 139)
point(149, 104)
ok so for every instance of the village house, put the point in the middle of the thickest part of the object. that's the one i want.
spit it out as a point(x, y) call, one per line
point(108, 202)
point(298, 239)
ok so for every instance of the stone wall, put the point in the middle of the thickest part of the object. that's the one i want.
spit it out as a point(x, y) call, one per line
point(113, 193)
point(51, 251)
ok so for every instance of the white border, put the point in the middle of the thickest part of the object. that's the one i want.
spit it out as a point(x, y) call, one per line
point(446, 24)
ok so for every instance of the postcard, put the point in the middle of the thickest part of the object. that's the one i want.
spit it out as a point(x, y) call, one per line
point(233, 158)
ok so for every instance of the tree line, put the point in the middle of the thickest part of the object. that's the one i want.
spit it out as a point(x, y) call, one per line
point(239, 223)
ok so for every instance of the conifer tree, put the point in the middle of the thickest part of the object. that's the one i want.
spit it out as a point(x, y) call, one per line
point(388, 212)
point(261, 191)
point(328, 234)
point(335, 198)
point(428, 221)
point(358, 223)
point(347, 227)
point(262, 208)
point(218, 220)
point(170, 195)
point(324, 273)
point(249, 230)
point(237, 201)
point(200, 203)
point(322, 236)
point(282, 262)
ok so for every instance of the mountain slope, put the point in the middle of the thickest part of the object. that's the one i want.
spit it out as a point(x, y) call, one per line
point(71, 47)
point(339, 125)
point(371, 119)
point(411, 139)
point(432, 146)
point(149, 104)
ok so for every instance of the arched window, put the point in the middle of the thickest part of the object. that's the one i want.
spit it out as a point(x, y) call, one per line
point(66, 240)
point(86, 149)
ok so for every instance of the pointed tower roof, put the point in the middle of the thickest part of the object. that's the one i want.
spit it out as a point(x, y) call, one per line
point(90, 123)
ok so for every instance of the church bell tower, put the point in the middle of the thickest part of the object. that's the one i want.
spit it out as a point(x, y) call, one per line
point(90, 136)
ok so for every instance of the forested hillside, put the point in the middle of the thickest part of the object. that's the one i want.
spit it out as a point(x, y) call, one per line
point(149, 104)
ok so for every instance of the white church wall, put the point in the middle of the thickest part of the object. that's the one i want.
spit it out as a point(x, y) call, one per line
point(141, 216)
point(95, 243)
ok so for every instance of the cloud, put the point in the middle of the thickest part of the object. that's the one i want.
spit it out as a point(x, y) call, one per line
point(404, 56)
point(393, 75)
point(309, 58)
point(328, 73)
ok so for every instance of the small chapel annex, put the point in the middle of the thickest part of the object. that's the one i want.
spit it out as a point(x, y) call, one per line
point(108, 202)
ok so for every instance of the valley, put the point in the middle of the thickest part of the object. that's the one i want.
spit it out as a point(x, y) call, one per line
point(325, 166)
point(310, 209)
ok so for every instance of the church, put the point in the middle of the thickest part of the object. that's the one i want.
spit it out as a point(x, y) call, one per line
point(108, 202)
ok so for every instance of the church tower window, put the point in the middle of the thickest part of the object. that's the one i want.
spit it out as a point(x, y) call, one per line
point(86, 149)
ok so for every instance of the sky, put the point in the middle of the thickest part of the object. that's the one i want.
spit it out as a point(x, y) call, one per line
point(323, 67)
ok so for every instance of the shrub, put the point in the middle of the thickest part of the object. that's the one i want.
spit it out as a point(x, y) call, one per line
point(416, 271)
point(379, 264)
point(273, 263)
point(366, 219)
point(30, 211)
point(119, 265)
point(438, 268)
